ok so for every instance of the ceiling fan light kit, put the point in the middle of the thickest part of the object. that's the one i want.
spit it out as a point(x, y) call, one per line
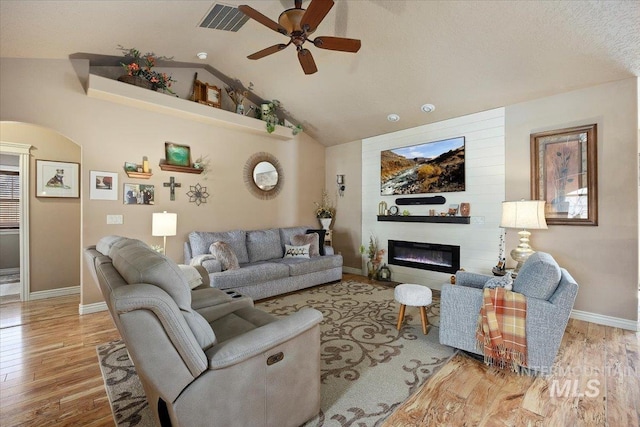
point(297, 24)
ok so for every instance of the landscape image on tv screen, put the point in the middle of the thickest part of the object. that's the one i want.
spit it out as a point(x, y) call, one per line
point(432, 167)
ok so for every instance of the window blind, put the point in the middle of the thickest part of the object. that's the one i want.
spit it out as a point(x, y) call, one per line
point(9, 199)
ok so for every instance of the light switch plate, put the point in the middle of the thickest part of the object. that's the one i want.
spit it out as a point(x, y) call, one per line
point(114, 219)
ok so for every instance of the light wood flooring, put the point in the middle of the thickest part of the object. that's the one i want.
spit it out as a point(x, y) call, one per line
point(49, 376)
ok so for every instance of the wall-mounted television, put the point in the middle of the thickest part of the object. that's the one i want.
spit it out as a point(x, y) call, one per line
point(431, 167)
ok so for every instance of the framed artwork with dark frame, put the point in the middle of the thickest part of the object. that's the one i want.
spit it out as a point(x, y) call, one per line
point(57, 179)
point(564, 173)
point(177, 154)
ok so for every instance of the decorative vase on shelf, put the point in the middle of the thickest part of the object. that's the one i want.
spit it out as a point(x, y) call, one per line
point(240, 109)
point(326, 222)
point(137, 81)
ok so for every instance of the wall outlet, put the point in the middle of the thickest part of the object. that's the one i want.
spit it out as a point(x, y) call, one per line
point(114, 219)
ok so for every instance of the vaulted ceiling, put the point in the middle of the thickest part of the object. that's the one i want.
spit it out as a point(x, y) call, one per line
point(461, 56)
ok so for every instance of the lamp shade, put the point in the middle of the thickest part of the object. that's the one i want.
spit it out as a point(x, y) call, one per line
point(164, 224)
point(523, 214)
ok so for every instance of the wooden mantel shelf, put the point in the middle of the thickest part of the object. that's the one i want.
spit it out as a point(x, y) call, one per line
point(123, 93)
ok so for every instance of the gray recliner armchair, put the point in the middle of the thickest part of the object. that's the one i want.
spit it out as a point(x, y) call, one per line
point(205, 357)
point(550, 292)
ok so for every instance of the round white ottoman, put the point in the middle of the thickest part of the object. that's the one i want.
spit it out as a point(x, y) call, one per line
point(412, 295)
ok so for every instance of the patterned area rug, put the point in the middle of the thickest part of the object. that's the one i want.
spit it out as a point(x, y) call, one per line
point(368, 367)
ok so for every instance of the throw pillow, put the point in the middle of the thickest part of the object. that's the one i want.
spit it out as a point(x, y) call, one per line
point(500, 282)
point(307, 239)
point(321, 233)
point(296, 251)
point(223, 253)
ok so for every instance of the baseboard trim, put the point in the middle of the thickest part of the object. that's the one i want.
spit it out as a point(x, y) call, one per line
point(601, 319)
point(351, 270)
point(10, 289)
point(71, 290)
point(92, 308)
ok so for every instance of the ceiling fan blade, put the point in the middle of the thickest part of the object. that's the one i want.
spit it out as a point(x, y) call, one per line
point(307, 62)
point(337, 43)
point(315, 13)
point(268, 51)
point(267, 22)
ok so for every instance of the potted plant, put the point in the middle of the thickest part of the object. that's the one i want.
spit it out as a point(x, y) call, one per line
point(325, 210)
point(269, 113)
point(138, 70)
point(375, 257)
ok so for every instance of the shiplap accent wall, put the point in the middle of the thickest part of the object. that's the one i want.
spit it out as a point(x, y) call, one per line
point(485, 190)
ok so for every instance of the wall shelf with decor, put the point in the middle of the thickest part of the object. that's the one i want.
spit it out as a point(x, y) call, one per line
point(421, 218)
point(173, 168)
point(122, 93)
point(139, 175)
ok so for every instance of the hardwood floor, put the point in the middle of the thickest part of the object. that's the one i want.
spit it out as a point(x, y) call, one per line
point(49, 375)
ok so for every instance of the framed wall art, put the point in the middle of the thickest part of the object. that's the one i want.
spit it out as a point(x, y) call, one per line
point(177, 154)
point(564, 173)
point(104, 185)
point(138, 194)
point(432, 167)
point(57, 179)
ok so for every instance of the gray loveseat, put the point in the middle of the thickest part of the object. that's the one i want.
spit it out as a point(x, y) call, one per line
point(206, 357)
point(263, 271)
point(550, 292)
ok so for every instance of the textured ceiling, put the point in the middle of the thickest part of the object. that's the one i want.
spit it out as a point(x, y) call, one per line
point(462, 56)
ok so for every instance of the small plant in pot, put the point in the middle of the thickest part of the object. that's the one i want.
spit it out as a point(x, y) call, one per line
point(269, 114)
point(325, 210)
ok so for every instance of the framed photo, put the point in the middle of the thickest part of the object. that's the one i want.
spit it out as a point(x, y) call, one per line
point(132, 167)
point(138, 194)
point(57, 179)
point(431, 167)
point(177, 155)
point(104, 185)
point(205, 93)
point(564, 173)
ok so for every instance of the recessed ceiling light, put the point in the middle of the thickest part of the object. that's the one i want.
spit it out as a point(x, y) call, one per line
point(427, 108)
point(393, 117)
point(202, 55)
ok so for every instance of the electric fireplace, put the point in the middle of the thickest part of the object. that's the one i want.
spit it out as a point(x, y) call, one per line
point(425, 256)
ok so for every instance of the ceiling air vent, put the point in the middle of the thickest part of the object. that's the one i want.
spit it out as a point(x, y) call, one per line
point(225, 18)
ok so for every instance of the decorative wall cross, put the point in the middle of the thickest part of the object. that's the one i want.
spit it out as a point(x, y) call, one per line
point(172, 184)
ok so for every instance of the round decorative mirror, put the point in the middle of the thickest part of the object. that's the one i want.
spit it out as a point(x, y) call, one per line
point(263, 175)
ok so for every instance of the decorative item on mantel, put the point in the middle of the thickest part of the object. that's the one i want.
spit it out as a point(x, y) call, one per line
point(138, 70)
point(238, 96)
point(325, 210)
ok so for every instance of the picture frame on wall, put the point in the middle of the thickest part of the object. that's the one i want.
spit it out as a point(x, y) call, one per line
point(177, 154)
point(57, 179)
point(138, 194)
point(564, 173)
point(104, 185)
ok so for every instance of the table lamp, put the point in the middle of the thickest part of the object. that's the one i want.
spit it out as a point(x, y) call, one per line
point(164, 224)
point(523, 214)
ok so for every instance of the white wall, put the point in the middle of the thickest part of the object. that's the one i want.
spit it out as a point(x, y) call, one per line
point(485, 190)
point(603, 259)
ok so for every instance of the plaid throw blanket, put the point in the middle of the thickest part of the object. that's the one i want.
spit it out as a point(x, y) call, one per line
point(501, 328)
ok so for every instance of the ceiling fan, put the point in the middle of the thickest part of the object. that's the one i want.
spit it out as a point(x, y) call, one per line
point(298, 23)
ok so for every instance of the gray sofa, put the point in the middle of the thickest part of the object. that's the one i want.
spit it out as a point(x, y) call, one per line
point(550, 292)
point(263, 270)
point(204, 356)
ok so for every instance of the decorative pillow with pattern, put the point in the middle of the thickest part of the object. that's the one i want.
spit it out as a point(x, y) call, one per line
point(223, 253)
point(307, 239)
point(500, 282)
point(296, 251)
